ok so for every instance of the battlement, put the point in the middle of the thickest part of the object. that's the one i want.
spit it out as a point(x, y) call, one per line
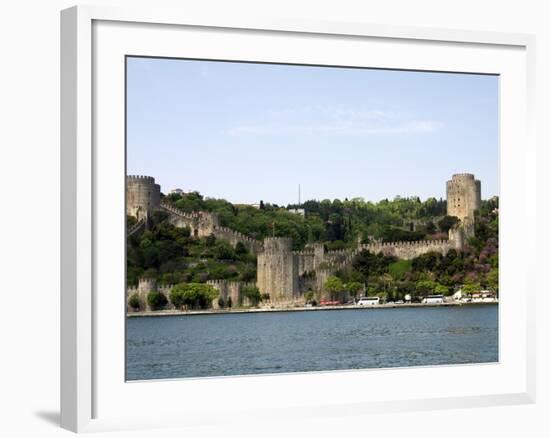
point(141, 179)
point(305, 252)
point(338, 251)
point(175, 210)
point(236, 234)
point(463, 176)
point(231, 282)
point(417, 243)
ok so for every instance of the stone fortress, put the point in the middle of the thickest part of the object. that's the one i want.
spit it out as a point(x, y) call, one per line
point(286, 275)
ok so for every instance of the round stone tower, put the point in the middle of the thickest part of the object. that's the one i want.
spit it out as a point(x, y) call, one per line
point(277, 269)
point(463, 198)
point(142, 196)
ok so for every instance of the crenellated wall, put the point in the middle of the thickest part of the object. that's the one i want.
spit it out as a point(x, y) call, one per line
point(235, 237)
point(201, 223)
point(204, 224)
point(410, 250)
point(231, 289)
point(146, 285)
point(304, 261)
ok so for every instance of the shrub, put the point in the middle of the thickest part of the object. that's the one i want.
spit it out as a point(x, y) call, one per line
point(134, 302)
point(193, 295)
point(156, 300)
point(253, 294)
point(353, 287)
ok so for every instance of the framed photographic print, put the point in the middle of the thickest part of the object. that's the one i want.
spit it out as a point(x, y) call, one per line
point(251, 208)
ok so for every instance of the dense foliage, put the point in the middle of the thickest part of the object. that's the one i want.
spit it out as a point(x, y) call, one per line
point(172, 256)
point(193, 295)
point(339, 223)
point(473, 269)
point(156, 300)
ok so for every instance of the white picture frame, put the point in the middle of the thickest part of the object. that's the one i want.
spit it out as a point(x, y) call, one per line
point(93, 396)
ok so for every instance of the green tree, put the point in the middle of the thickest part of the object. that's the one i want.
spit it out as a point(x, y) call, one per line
point(156, 300)
point(441, 289)
point(425, 287)
point(134, 302)
point(253, 294)
point(334, 286)
point(470, 288)
point(353, 287)
point(193, 295)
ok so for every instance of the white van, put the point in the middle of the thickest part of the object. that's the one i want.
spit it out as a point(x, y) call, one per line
point(368, 301)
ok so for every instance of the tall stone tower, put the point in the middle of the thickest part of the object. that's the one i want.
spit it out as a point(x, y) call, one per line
point(463, 198)
point(142, 196)
point(278, 269)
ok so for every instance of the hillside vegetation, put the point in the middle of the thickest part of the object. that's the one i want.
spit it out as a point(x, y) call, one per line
point(173, 256)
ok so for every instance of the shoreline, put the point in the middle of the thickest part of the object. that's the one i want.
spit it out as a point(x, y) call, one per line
point(296, 309)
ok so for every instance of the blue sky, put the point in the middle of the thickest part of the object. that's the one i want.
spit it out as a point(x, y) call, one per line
point(249, 132)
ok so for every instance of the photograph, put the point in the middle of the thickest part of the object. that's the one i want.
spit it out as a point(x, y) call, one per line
point(285, 218)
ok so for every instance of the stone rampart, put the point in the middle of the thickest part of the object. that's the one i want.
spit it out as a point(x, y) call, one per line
point(204, 224)
point(304, 261)
point(410, 250)
point(146, 285)
point(201, 223)
point(230, 289)
point(235, 237)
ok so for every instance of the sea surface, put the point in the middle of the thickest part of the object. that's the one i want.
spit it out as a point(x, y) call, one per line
point(282, 342)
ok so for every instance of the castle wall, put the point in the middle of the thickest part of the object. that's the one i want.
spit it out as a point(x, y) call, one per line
point(304, 261)
point(142, 196)
point(410, 250)
point(204, 224)
point(143, 288)
point(201, 223)
point(231, 289)
point(278, 269)
point(235, 237)
point(285, 274)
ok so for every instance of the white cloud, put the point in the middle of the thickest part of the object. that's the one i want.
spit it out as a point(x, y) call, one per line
point(335, 120)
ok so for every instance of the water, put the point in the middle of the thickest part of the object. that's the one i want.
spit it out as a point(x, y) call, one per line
point(258, 343)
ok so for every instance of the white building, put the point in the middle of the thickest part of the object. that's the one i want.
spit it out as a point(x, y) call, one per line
point(177, 192)
point(300, 211)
